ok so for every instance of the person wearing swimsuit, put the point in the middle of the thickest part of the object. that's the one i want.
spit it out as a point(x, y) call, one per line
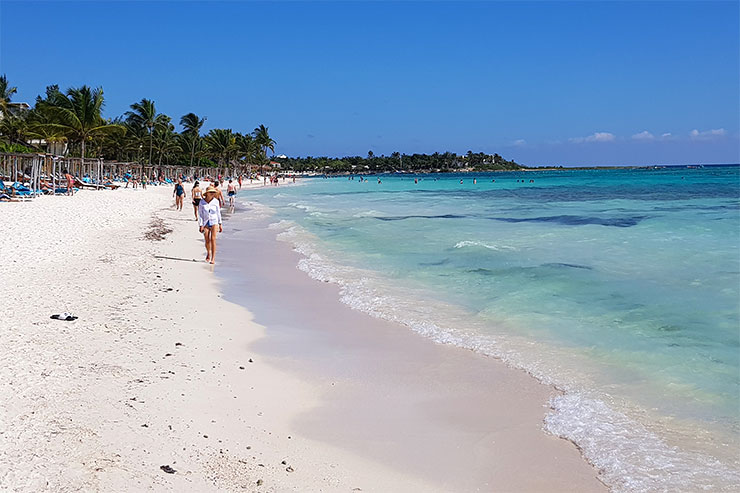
point(179, 194)
point(70, 182)
point(219, 193)
point(197, 195)
point(209, 220)
point(231, 192)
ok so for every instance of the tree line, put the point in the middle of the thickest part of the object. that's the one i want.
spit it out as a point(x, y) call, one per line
point(72, 120)
point(431, 163)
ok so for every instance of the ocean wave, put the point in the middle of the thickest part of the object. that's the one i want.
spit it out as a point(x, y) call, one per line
point(370, 213)
point(312, 210)
point(303, 207)
point(281, 224)
point(470, 243)
point(627, 455)
point(255, 210)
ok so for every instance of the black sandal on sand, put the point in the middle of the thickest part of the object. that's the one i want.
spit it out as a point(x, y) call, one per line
point(64, 316)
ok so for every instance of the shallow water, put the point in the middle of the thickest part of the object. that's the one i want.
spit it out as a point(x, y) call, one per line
point(620, 286)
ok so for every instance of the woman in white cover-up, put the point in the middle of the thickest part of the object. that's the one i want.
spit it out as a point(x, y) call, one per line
point(209, 220)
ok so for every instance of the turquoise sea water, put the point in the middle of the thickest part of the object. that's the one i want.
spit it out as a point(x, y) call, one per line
point(621, 287)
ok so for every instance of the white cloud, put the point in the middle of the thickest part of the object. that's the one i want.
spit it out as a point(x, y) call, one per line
point(596, 137)
point(666, 135)
point(707, 134)
point(519, 142)
point(644, 135)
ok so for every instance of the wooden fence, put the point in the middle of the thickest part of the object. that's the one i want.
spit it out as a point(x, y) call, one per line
point(25, 167)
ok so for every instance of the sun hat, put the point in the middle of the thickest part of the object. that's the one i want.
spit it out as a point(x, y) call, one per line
point(211, 189)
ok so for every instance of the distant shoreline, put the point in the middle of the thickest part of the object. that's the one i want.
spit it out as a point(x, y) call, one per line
point(525, 169)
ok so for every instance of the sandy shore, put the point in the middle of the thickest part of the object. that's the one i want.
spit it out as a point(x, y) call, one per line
point(160, 370)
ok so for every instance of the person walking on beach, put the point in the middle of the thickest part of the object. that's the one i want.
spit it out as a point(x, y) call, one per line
point(197, 196)
point(70, 182)
point(179, 194)
point(231, 192)
point(219, 193)
point(209, 220)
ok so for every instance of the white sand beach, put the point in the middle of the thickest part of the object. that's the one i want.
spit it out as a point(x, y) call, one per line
point(160, 370)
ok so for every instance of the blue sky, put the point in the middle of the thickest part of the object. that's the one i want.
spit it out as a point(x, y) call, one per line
point(571, 83)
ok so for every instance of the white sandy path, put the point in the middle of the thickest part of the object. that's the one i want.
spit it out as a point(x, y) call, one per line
point(100, 403)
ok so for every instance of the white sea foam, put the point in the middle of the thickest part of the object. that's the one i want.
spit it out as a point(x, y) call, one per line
point(303, 207)
point(370, 213)
point(469, 243)
point(628, 456)
point(256, 210)
point(282, 224)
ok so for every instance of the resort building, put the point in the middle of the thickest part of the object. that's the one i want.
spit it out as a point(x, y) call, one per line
point(15, 109)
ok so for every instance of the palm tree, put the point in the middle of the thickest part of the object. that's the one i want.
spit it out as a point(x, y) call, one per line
point(263, 139)
point(49, 134)
point(39, 120)
point(54, 97)
point(144, 114)
point(191, 126)
point(167, 145)
point(117, 146)
point(6, 92)
point(165, 131)
point(190, 145)
point(221, 143)
point(80, 118)
point(248, 148)
point(14, 129)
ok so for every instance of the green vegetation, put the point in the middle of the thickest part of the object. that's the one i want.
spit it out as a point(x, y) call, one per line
point(429, 163)
point(15, 148)
point(71, 123)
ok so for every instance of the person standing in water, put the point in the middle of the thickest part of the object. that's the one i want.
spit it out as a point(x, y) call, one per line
point(209, 220)
point(197, 196)
point(231, 192)
point(179, 194)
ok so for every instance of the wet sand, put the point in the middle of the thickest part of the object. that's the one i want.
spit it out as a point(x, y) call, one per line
point(463, 421)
